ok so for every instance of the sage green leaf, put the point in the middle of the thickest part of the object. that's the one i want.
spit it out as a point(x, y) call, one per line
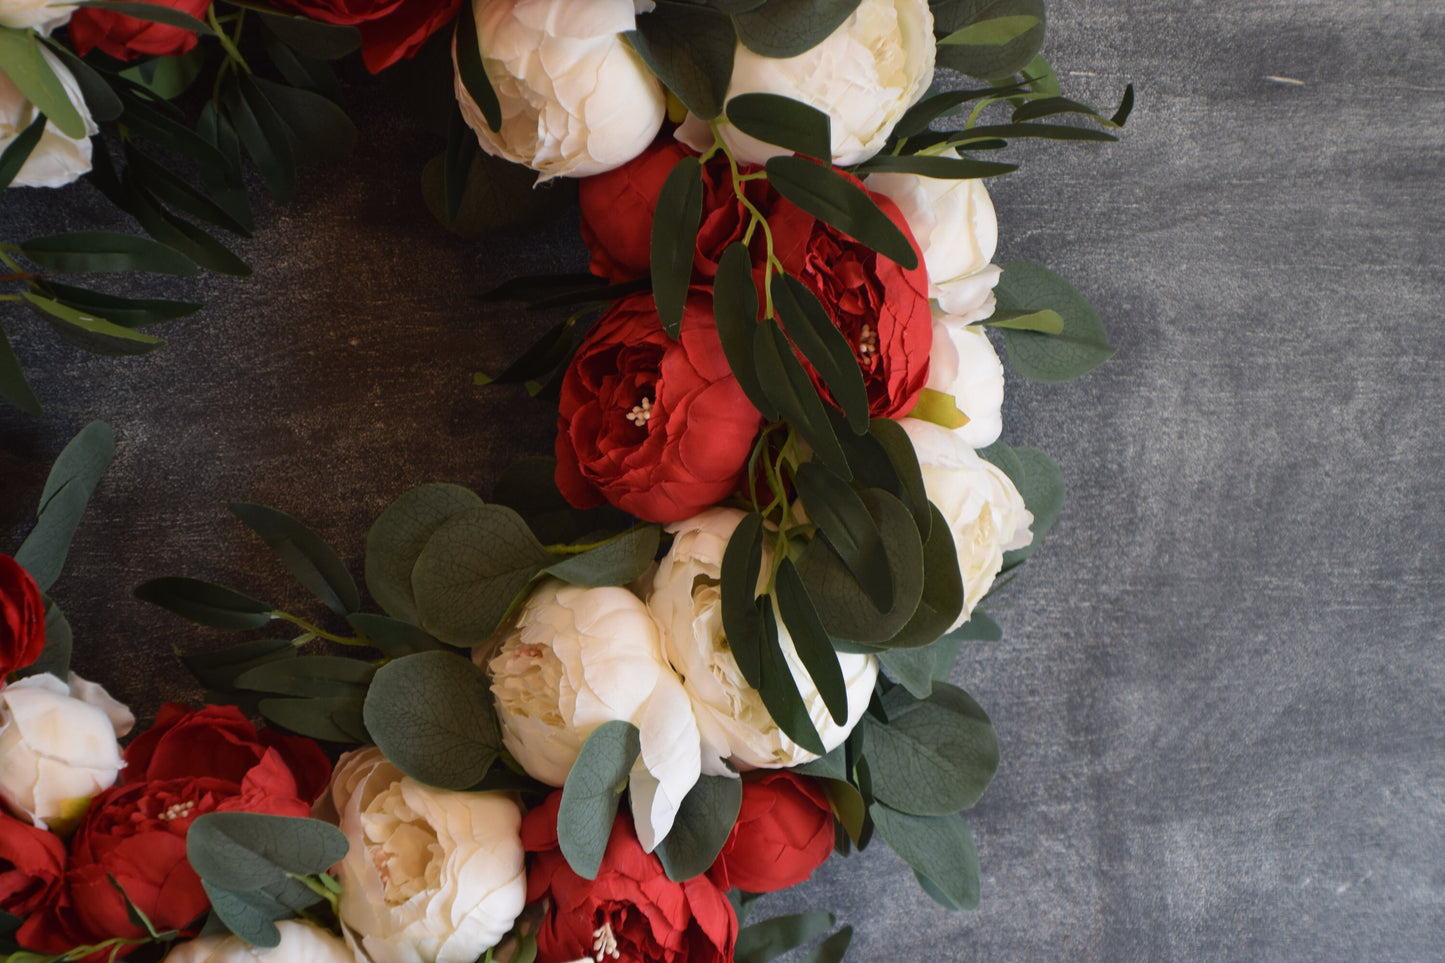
point(933, 756)
point(250, 915)
point(792, 393)
point(779, 690)
point(1044, 322)
point(675, 222)
point(324, 41)
point(82, 252)
point(397, 537)
point(218, 669)
point(309, 675)
point(942, 168)
point(783, 122)
point(151, 12)
point(942, 598)
point(837, 201)
point(127, 312)
point(810, 327)
point(1041, 484)
point(393, 637)
point(18, 151)
point(68, 488)
point(1079, 348)
point(205, 603)
point(590, 796)
point(473, 568)
point(690, 49)
point(35, 78)
point(937, 847)
point(332, 718)
point(431, 715)
point(314, 563)
point(851, 531)
point(251, 851)
point(831, 950)
point(13, 386)
point(992, 33)
point(735, 308)
point(787, 28)
point(471, 71)
point(972, 46)
point(911, 668)
point(701, 827)
point(810, 640)
point(616, 561)
point(770, 939)
point(979, 628)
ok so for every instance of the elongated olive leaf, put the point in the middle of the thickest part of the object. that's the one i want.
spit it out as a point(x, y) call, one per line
point(787, 28)
point(742, 564)
point(615, 562)
point(303, 71)
point(792, 394)
point(770, 939)
point(955, 168)
point(779, 689)
point(471, 570)
point(127, 312)
point(1079, 348)
point(151, 12)
point(942, 598)
point(701, 827)
point(545, 354)
point(811, 641)
point(72, 480)
point(735, 307)
point(205, 603)
point(82, 252)
point(262, 133)
point(218, 670)
point(472, 72)
point(309, 675)
point(181, 235)
point(917, 118)
point(810, 328)
point(590, 796)
point(18, 151)
point(305, 555)
point(783, 122)
point(933, 756)
point(332, 718)
point(674, 239)
point(1125, 108)
point(988, 38)
point(222, 174)
point(835, 200)
point(397, 538)
point(320, 130)
point(393, 637)
point(324, 41)
point(13, 386)
point(1044, 322)
point(852, 532)
point(100, 97)
point(690, 49)
point(31, 71)
point(168, 77)
point(904, 459)
point(431, 715)
point(89, 332)
point(1044, 131)
point(153, 125)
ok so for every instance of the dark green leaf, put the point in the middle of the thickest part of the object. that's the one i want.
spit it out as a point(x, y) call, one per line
point(981, 55)
point(849, 529)
point(472, 72)
point(59, 644)
point(528, 486)
point(431, 715)
point(1044, 131)
point(831, 950)
point(1081, 346)
point(787, 28)
point(250, 915)
point(942, 599)
point(152, 12)
point(783, 122)
point(498, 194)
point(263, 134)
point(205, 603)
point(128, 312)
point(735, 307)
point(616, 561)
point(741, 616)
point(701, 827)
point(956, 168)
point(13, 386)
point(918, 117)
point(332, 718)
point(393, 637)
point(770, 939)
point(837, 201)
point(791, 391)
point(82, 252)
point(168, 77)
point(998, 32)
point(397, 538)
point(35, 78)
point(690, 49)
point(324, 41)
point(589, 798)
point(810, 641)
point(181, 235)
point(305, 72)
point(222, 174)
point(102, 100)
point(899, 449)
point(72, 480)
point(937, 847)
point(314, 563)
point(911, 668)
point(320, 130)
point(162, 130)
point(933, 757)
point(218, 670)
point(1125, 108)
point(309, 675)
point(248, 851)
point(462, 148)
point(1041, 484)
point(810, 328)
point(167, 186)
point(18, 151)
point(978, 628)
point(779, 689)
point(674, 239)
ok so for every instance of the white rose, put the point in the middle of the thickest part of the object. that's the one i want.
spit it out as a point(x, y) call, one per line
point(963, 363)
point(735, 725)
point(41, 15)
point(56, 159)
point(864, 75)
point(957, 230)
point(432, 876)
point(299, 942)
point(985, 512)
point(579, 657)
point(58, 747)
point(575, 97)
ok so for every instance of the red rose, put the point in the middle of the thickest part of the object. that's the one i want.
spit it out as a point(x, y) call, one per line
point(391, 30)
point(657, 427)
point(784, 832)
point(22, 618)
point(32, 861)
point(631, 913)
point(881, 308)
point(617, 209)
point(126, 38)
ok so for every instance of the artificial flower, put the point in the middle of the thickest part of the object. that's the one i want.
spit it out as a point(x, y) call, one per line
point(301, 942)
point(964, 364)
point(128, 38)
point(22, 618)
point(784, 832)
point(579, 657)
point(391, 30)
point(57, 159)
point(658, 427)
point(32, 861)
point(41, 15)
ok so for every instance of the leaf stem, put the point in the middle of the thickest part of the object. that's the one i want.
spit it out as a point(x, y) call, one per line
point(317, 630)
point(229, 43)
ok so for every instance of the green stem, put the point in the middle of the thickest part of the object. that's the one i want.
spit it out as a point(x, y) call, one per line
point(583, 547)
point(317, 630)
point(316, 887)
point(229, 43)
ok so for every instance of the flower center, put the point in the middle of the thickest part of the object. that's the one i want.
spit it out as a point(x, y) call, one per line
point(604, 943)
point(867, 343)
point(177, 810)
point(641, 413)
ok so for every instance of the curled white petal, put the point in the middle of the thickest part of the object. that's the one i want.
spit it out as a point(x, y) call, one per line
point(964, 364)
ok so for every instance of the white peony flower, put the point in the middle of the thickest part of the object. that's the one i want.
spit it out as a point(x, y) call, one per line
point(735, 725)
point(963, 363)
point(299, 942)
point(58, 747)
point(579, 657)
point(957, 230)
point(432, 876)
point(57, 159)
point(985, 512)
point(41, 15)
point(576, 99)
point(864, 75)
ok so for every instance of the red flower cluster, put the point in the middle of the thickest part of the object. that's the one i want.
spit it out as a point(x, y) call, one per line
point(191, 762)
point(663, 461)
point(127, 38)
point(391, 30)
point(22, 618)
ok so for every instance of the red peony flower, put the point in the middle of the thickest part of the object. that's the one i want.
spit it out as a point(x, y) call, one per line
point(22, 618)
point(881, 308)
point(617, 209)
point(391, 30)
point(631, 913)
point(32, 861)
point(127, 38)
point(784, 832)
point(657, 427)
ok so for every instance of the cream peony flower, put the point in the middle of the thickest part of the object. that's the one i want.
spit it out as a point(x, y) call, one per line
point(299, 942)
point(735, 725)
point(41, 15)
point(432, 876)
point(985, 512)
point(579, 657)
point(58, 747)
point(57, 159)
point(864, 75)
point(957, 230)
point(963, 363)
point(575, 97)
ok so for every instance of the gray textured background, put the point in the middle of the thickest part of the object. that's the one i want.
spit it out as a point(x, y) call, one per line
point(1219, 692)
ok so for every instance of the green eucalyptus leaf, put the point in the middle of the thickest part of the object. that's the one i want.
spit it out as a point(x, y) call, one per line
point(832, 198)
point(992, 33)
point(205, 603)
point(702, 825)
point(616, 561)
point(59, 645)
point(397, 537)
point(591, 794)
point(933, 756)
point(787, 28)
point(250, 915)
point(810, 327)
point(831, 950)
point(1041, 483)
point(770, 939)
point(937, 847)
point(314, 563)
point(690, 49)
point(674, 239)
point(783, 122)
point(988, 38)
point(34, 76)
point(1080, 347)
point(68, 488)
point(82, 252)
point(979, 628)
point(941, 601)
point(735, 307)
